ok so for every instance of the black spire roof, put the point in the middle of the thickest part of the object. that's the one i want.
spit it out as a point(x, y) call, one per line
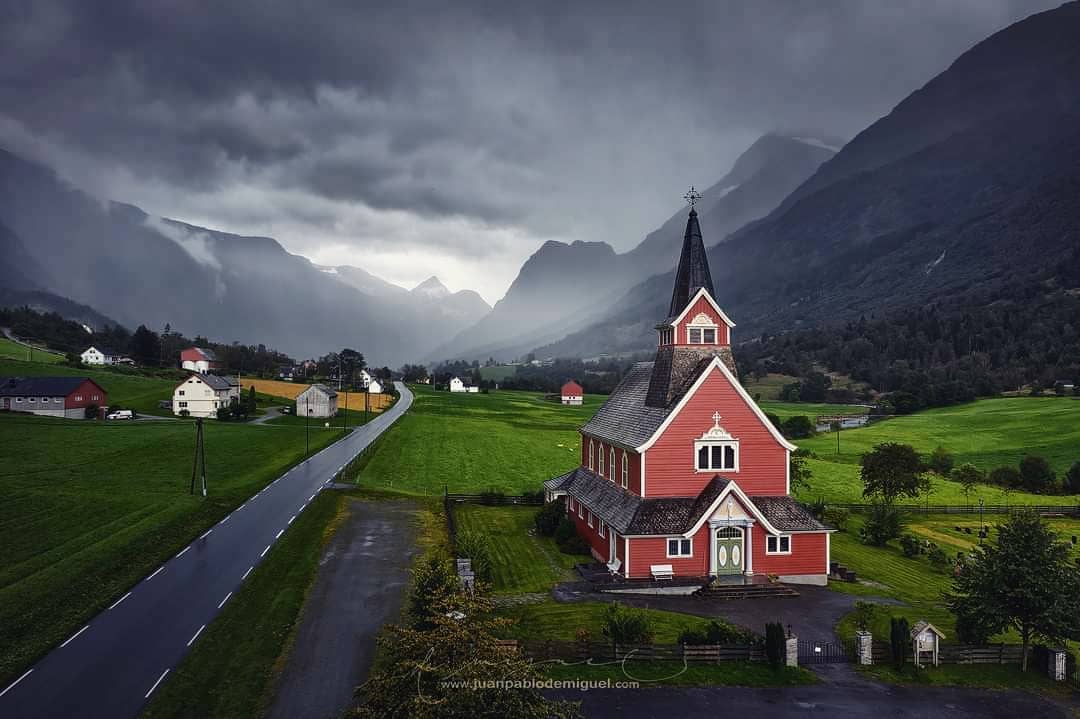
point(693, 272)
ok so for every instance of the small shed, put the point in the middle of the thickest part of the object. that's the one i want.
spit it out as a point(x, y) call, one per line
point(924, 640)
point(571, 393)
point(318, 400)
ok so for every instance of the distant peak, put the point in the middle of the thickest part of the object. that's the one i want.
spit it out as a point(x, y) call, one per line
point(433, 287)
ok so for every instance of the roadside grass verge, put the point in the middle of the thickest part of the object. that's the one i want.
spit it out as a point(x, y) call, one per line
point(561, 621)
point(677, 674)
point(231, 668)
point(521, 562)
point(980, 676)
point(89, 508)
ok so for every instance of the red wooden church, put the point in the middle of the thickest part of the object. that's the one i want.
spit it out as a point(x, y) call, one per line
point(681, 473)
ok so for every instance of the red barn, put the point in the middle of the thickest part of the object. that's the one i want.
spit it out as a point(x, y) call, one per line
point(572, 393)
point(52, 396)
point(681, 472)
point(199, 359)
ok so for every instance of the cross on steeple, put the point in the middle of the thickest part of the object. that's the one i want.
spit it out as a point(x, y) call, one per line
point(692, 196)
point(716, 418)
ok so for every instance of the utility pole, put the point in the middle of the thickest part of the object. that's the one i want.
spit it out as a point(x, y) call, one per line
point(367, 405)
point(307, 432)
point(200, 457)
point(345, 414)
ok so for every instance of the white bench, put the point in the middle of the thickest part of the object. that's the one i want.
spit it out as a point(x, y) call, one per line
point(614, 565)
point(662, 571)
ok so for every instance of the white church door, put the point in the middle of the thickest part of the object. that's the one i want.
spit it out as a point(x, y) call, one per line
point(729, 551)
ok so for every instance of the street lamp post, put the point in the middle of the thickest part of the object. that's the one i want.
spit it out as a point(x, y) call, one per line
point(345, 413)
point(307, 432)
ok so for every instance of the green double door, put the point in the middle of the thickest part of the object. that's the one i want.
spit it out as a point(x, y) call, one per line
point(729, 551)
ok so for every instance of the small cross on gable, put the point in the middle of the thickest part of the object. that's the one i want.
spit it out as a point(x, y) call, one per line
point(716, 419)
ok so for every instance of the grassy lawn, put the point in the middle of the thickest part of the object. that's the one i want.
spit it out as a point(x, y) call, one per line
point(88, 508)
point(811, 409)
point(16, 351)
point(230, 670)
point(508, 441)
point(676, 674)
point(128, 388)
point(988, 433)
point(561, 621)
point(981, 676)
point(521, 562)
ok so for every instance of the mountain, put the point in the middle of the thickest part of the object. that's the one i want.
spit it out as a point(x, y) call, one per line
point(366, 282)
point(564, 287)
point(142, 269)
point(967, 190)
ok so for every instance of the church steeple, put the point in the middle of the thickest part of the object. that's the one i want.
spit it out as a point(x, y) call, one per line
point(693, 272)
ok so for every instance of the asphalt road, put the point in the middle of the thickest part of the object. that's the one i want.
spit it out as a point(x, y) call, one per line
point(360, 587)
point(112, 666)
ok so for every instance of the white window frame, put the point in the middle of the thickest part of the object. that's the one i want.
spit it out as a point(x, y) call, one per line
point(182, 405)
point(701, 324)
point(679, 554)
point(774, 539)
point(699, 444)
point(580, 510)
point(569, 504)
point(611, 464)
point(600, 528)
point(589, 518)
point(625, 470)
point(592, 458)
point(600, 463)
point(19, 400)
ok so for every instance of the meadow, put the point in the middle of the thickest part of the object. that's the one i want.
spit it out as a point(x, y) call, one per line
point(88, 508)
point(129, 388)
point(16, 351)
point(290, 391)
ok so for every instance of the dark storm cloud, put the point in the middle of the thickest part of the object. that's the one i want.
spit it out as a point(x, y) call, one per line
point(555, 119)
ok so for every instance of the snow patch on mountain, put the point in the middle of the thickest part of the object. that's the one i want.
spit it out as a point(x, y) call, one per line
point(815, 142)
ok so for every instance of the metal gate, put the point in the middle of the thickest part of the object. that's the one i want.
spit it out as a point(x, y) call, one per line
point(826, 652)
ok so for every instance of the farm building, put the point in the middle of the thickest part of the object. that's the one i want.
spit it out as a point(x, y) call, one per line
point(200, 395)
point(100, 355)
point(200, 360)
point(456, 385)
point(681, 474)
point(571, 393)
point(318, 400)
point(52, 396)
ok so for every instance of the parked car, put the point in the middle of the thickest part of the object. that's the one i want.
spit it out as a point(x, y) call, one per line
point(121, 414)
point(286, 410)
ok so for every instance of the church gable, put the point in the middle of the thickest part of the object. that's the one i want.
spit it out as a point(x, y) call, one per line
point(702, 322)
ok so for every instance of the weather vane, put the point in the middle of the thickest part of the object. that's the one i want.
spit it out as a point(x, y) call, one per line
point(692, 196)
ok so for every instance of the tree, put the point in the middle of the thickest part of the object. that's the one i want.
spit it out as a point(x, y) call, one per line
point(1036, 475)
point(434, 581)
point(1024, 580)
point(899, 637)
point(145, 346)
point(441, 671)
point(798, 426)
point(626, 625)
point(941, 461)
point(247, 404)
point(775, 645)
point(549, 516)
point(968, 476)
point(1072, 479)
point(798, 472)
point(1006, 477)
point(475, 546)
point(893, 470)
point(883, 522)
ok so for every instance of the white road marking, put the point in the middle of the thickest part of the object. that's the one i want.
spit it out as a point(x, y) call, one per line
point(242, 506)
point(292, 518)
point(328, 481)
point(120, 600)
point(155, 684)
point(303, 506)
point(311, 498)
point(265, 551)
point(159, 571)
point(196, 635)
point(206, 534)
point(226, 519)
point(72, 637)
point(246, 573)
point(224, 600)
point(278, 535)
point(12, 685)
point(183, 551)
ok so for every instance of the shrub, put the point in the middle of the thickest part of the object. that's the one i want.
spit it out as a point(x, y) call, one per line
point(1072, 479)
point(476, 547)
point(775, 645)
point(836, 517)
point(567, 538)
point(937, 556)
point(626, 625)
point(536, 497)
point(940, 461)
point(492, 497)
point(910, 545)
point(1036, 474)
point(1006, 477)
point(434, 580)
point(864, 614)
point(818, 507)
point(899, 637)
point(549, 516)
point(91, 411)
point(715, 632)
point(798, 427)
point(883, 523)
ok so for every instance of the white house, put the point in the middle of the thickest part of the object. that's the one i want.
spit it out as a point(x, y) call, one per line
point(319, 399)
point(200, 395)
point(374, 386)
point(199, 359)
point(99, 355)
point(456, 385)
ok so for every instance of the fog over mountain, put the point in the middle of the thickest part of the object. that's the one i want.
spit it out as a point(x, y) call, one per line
point(448, 139)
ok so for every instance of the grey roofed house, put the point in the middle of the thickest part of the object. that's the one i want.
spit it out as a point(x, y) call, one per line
point(44, 386)
point(629, 514)
point(318, 400)
point(218, 382)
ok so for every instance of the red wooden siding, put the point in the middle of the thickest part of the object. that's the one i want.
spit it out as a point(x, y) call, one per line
point(633, 460)
point(591, 535)
point(647, 551)
point(808, 554)
point(90, 392)
point(723, 335)
point(670, 462)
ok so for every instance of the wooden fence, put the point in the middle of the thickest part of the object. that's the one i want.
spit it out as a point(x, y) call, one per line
point(958, 653)
point(1042, 509)
point(573, 651)
point(495, 499)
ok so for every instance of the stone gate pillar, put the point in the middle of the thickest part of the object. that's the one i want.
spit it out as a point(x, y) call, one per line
point(791, 648)
point(1056, 664)
point(864, 647)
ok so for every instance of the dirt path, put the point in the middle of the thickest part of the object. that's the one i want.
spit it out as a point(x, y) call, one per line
point(360, 586)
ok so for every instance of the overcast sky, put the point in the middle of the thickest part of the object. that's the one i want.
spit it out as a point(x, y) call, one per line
point(448, 138)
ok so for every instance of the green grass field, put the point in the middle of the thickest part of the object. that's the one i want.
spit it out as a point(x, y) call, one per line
point(810, 409)
point(88, 508)
point(16, 351)
point(988, 433)
point(561, 621)
point(508, 441)
point(127, 388)
point(521, 562)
